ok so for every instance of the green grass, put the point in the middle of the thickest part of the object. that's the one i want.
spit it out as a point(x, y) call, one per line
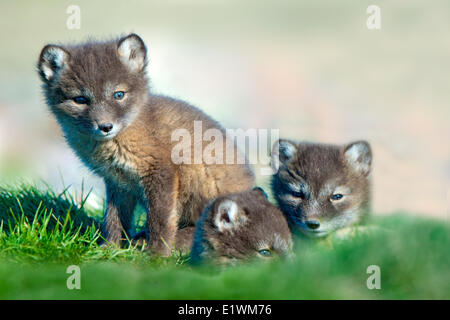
point(42, 233)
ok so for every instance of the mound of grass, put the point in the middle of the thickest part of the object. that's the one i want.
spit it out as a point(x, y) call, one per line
point(29, 201)
point(42, 226)
point(43, 233)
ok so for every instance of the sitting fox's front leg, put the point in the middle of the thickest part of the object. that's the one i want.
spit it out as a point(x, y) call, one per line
point(120, 204)
point(161, 191)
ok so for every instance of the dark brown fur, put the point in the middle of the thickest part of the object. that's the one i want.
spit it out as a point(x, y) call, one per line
point(310, 174)
point(134, 158)
point(256, 225)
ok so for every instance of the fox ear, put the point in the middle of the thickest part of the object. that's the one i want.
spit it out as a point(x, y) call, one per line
point(359, 156)
point(282, 151)
point(52, 61)
point(228, 216)
point(132, 52)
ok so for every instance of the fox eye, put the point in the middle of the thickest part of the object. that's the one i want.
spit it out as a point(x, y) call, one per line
point(298, 194)
point(119, 95)
point(265, 253)
point(336, 197)
point(80, 100)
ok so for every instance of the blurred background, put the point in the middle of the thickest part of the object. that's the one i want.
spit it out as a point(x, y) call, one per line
point(311, 69)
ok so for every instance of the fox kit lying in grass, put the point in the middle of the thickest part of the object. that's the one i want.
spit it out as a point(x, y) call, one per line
point(98, 92)
point(322, 188)
point(240, 226)
point(235, 227)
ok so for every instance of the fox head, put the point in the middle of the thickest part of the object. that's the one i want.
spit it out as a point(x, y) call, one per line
point(241, 226)
point(321, 188)
point(95, 88)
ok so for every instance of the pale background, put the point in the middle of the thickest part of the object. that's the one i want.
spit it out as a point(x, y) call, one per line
point(309, 68)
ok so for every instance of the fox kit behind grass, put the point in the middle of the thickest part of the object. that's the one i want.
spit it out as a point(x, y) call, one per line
point(322, 188)
point(235, 227)
point(98, 92)
point(241, 226)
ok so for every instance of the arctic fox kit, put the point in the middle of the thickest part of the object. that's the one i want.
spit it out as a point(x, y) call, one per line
point(322, 188)
point(240, 226)
point(98, 92)
point(235, 227)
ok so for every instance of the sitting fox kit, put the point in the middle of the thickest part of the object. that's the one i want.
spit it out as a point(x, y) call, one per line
point(98, 92)
point(322, 188)
point(240, 226)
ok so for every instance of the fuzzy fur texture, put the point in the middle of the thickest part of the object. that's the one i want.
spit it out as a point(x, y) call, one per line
point(322, 188)
point(240, 226)
point(134, 156)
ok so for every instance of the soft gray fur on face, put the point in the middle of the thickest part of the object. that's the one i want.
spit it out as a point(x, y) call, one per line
point(95, 71)
point(241, 226)
point(321, 188)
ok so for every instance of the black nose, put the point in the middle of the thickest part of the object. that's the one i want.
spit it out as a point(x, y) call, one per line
point(312, 224)
point(105, 127)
